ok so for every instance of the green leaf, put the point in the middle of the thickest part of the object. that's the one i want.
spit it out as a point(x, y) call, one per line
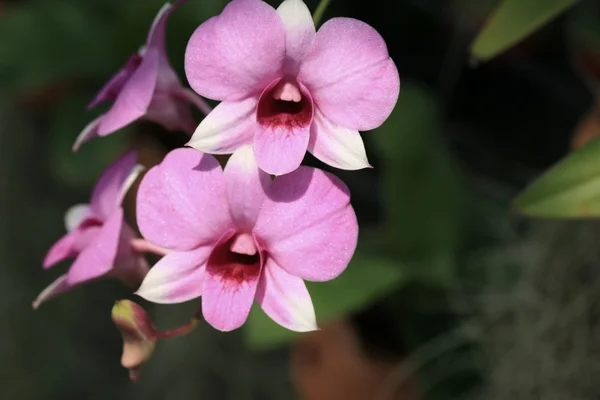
point(367, 278)
point(570, 189)
point(512, 21)
point(420, 189)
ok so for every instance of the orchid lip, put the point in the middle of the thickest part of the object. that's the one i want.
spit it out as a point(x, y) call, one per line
point(285, 103)
point(236, 259)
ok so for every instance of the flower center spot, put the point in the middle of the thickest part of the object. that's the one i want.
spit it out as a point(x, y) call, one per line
point(235, 260)
point(90, 222)
point(284, 106)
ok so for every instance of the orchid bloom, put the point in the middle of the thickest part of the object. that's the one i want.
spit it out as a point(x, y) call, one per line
point(146, 87)
point(287, 89)
point(98, 237)
point(235, 236)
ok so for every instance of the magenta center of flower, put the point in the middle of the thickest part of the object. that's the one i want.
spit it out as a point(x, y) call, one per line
point(284, 106)
point(90, 222)
point(236, 260)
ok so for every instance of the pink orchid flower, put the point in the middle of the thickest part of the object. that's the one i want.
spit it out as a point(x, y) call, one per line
point(236, 237)
point(98, 237)
point(287, 89)
point(146, 87)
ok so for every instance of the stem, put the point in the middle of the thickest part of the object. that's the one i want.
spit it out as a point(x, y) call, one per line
point(318, 14)
point(143, 246)
point(181, 330)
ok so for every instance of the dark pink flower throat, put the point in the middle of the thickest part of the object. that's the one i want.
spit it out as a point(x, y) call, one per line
point(284, 104)
point(236, 259)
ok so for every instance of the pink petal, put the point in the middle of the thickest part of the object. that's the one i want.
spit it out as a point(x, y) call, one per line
point(113, 184)
point(170, 112)
point(60, 285)
point(177, 277)
point(237, 53)
point(63, 249)
point(337, 146)
point(307, 224)
point(279, 152)
point(229, 126)
point(350, 75)
point(88, 133)
point(157, 34)
point(113, 87)
point(285, 299)
point(131, 269)
point(182, 202)
point(191, 97)
point(229, 286)
point(246, 185)
point(99, 256)
point(299, 32)
point(134, 100)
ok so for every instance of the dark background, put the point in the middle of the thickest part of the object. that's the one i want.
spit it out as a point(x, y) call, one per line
point(491, 305)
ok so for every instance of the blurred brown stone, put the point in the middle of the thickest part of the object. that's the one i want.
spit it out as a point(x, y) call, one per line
point(330, 364)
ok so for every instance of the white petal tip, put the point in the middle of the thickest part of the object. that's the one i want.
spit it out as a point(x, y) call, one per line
point(305, 328)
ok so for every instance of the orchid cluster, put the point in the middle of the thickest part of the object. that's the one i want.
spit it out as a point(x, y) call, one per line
point(257, 228)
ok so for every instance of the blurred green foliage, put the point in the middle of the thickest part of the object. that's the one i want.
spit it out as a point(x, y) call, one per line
point(570, 189)
point(420, 188)
point(512, 21)
point(68, 40)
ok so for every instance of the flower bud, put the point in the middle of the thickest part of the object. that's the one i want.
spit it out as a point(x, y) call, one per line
point(139, 335)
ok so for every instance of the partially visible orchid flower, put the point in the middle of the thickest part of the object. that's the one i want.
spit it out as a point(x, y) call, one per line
point(98, 237)
point(146, 87)
point(236, 237)
point(286, 88)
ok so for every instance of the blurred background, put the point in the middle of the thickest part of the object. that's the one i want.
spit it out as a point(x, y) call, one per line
point(451, 294)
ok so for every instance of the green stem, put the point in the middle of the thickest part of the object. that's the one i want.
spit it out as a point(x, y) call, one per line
point(318, 14)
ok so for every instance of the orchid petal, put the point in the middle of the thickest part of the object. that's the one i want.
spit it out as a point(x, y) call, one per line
point(170, 112)
point(285, 299)
point(157, 33)
point(299, 31)
point(99, 256)
point(229, 126)
point(280, 151)
point(246, 185)
point(88, 133)
point(182, 202)
point(135, 98)
point(60, 285)
point(350, 75)
point(111, 90)
point(176, 278)
point(112, 185)
point(63, 249)
point(337, 146)
point(308, 225)
point(237, 53)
